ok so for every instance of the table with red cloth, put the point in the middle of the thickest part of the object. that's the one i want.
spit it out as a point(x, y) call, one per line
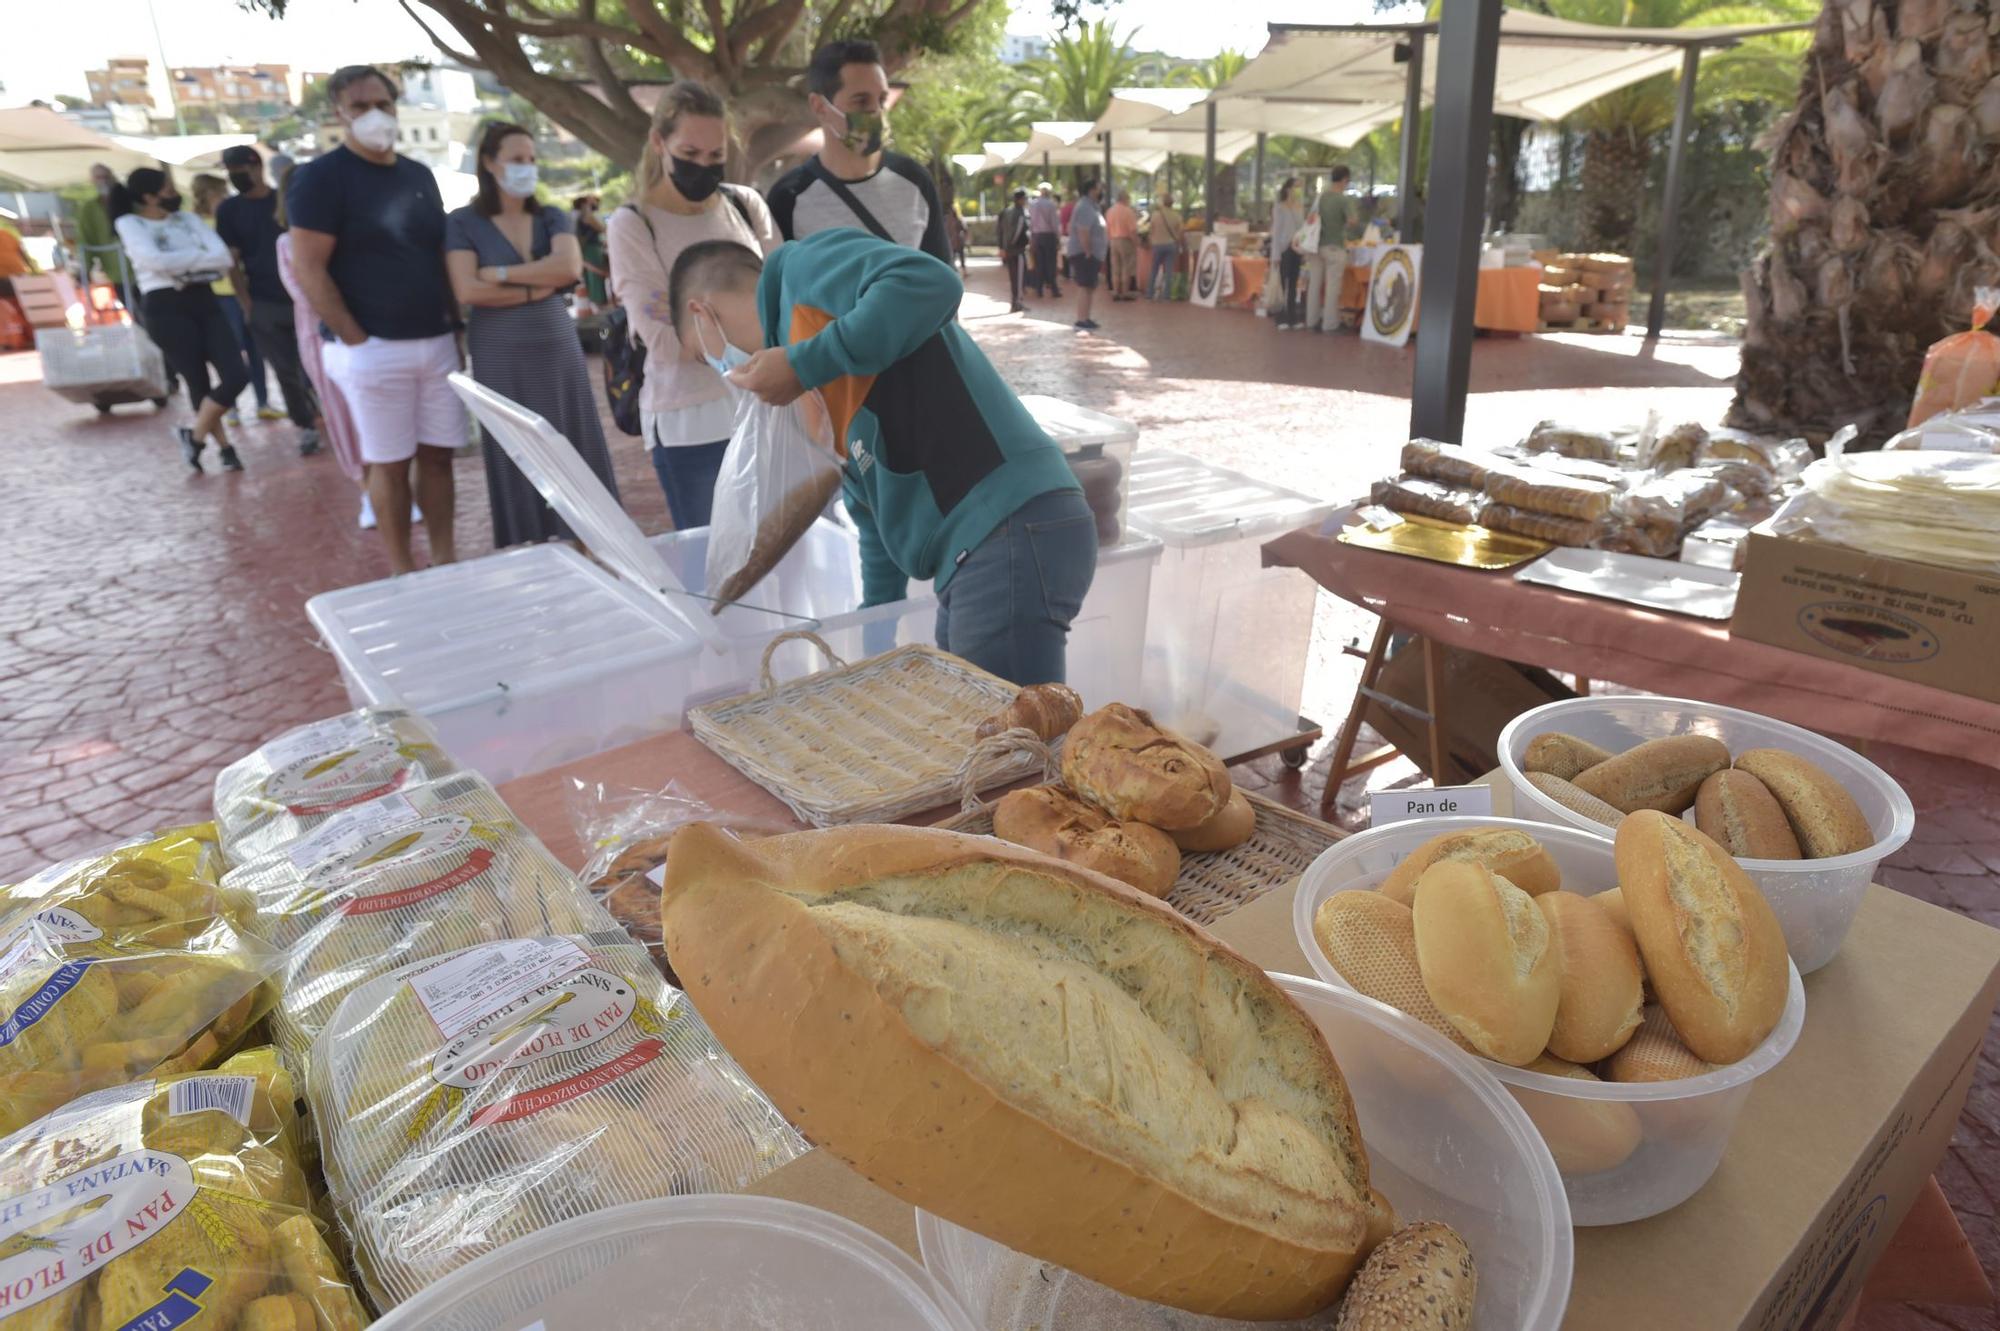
point(1677, 655)
point(1509, 301)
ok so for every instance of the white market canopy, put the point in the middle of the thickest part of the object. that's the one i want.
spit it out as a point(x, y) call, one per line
point(42, 150)
point(201, 152)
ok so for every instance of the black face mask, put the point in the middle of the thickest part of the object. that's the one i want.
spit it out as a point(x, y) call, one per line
point(241, 181)
point(170, 202)
point(695, 181)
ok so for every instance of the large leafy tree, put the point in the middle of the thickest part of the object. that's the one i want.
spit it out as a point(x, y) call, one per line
point(1074, 81)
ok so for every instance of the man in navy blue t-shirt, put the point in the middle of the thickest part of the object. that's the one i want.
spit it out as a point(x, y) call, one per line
point(368, 247)
point(247, 221)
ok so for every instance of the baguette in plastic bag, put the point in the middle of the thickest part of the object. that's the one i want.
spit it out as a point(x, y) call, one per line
point(1542, 526)
point(468, 1100)
point(1550, 492)
point(1427, 498)
point(297, 781)
point(172, 1202)
point(778, 475)
point(120, 965)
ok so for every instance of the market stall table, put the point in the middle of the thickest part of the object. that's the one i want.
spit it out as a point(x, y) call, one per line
point(1676, 655)
point(1509, 298)
point(1248, 272)
point(1802, 1204)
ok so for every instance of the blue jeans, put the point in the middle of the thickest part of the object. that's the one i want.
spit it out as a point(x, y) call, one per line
point(233, 312)
point(687, 474)
point(1009, 606)
point(1160, 285)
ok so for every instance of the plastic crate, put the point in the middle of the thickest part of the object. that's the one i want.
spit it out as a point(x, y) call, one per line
point(102, 358)
point(1088, 439)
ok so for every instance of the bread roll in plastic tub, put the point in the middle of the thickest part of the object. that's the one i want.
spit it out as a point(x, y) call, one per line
point(1626, 1150)
point(1814, 900)
point(1444, 1143)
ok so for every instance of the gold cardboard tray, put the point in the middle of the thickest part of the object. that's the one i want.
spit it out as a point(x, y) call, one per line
point(1448, 543)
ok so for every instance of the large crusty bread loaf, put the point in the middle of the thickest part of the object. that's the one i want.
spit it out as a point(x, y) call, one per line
point(1487, 959)
point(1562, 756)
point(1713, 949)
point(1057, 823)
point(1035, 1052)
point(1661, 774)
point(1601, 981)
point(1507, 851)
point(1138, 771)
point(1372, 941)
point(1744, 818)
point(1823, 815)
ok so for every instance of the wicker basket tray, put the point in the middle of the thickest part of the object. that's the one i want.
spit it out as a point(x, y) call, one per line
point(872, 742)
point(1210, 886)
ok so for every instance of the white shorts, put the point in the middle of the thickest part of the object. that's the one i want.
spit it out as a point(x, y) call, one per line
point(398, 394)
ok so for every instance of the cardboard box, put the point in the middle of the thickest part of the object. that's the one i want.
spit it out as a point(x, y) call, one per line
point(1929, 625)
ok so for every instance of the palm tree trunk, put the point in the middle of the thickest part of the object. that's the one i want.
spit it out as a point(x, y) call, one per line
point(1613, 187)
point(1885, 213)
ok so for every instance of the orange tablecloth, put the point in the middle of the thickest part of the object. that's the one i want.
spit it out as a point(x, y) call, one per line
point(1248, 273)
point(1509, 298)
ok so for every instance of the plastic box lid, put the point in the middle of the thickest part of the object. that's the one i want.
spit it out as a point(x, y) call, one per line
point(514, 621)
point(1184, 501)
point(818, 581)
point(713, 1260)
point(1074, 427)
point(559, 473)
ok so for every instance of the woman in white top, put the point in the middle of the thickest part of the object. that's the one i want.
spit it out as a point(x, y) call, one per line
point(684, 407)
point(174, 258)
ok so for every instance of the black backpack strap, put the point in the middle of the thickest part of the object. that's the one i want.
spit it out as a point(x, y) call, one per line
point(734, 193)
point(846, 196)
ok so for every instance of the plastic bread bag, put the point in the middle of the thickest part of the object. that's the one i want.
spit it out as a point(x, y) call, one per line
point(428, 870)
point(778, 475)
point(170, 1202)
point(122, 965)
point(1427, 498)
point(1667, 450)
point(1971, 429)
point(1548, 527)
point(466, 1101)
point(1550, 492)
point(1449, 463)
point(1785, 459)
point(303, 777)
point(1574, 441)
point(1746, 478)
point(1931, 507)
point(1676, 501)
point(1960, 369)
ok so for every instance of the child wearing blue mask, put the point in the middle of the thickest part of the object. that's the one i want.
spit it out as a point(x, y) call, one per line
point(946, 474)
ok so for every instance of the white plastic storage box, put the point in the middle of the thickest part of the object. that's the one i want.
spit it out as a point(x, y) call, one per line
point(1107, 639)
point(1099, 449)
point(102, 358)
point(1226, 637)
point(521, 660)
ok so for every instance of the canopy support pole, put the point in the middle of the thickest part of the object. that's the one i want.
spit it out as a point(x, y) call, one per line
point(1110, 194)
point(1208, 176)
point(1258, 173)
point(1413, 110)
point(1461, 129)
point(1670, 205)
point(1046, 175)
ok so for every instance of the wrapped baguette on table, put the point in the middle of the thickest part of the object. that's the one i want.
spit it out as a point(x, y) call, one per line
point(1542, 526)
point(1654, 515)
point(1672, 449)
point(1427, 498)
point(1449, 463)
point(1540, 491)
point(1572, 441)
point(1786, 459)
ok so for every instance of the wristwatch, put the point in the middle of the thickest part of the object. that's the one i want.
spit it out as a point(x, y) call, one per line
point(502, 270)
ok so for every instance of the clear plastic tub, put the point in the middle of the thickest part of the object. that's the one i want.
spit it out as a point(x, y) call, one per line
point(1814, 900)
point(1683, 1125)
point(701, 1261)
point(1091, 439)
point(1444, 1143)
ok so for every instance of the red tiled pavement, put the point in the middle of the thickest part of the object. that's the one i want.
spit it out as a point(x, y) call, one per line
point(152, 623)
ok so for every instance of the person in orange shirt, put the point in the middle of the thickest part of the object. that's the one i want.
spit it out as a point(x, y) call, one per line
point(14, 260)
point(1121, 224)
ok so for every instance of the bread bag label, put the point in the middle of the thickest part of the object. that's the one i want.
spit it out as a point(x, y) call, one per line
point(328, 783)
point(478, 986)
point(561, 1017)
point(39, 1004)
point(442, 846)
point(57, 1235)
point(344, 833)
point(223, 1094)
point(316, 740)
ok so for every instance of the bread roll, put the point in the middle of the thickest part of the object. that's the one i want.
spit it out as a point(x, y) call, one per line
point(1655, 1053)
point(1421, 1278)
point(1032, 1051)
point(1057, 823)
point(1562, 755)
point(1569, 797)
point(1487, 959)
point(1584, 1136)
point(1047, 709)
point(1382, 1221)
point(1372, 941)
point(1661, 774)
point(1601, 980)
point(1226, 831)
point(1119, 760)
point(1713, 949)
point(1507, 851)
point(1743, 817)
point(1823, 815)
point(1612, 903)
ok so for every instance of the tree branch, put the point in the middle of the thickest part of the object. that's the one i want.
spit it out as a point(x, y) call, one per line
point(460, 57)
point(718, 28)
point(501, 20)
point(770, 24)
point(834, 18)
point(598, 60)
point(611, 129)
point(686, 59)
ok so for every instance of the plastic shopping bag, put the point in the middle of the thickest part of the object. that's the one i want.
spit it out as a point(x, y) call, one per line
point(778, 474)
point(1963, 368)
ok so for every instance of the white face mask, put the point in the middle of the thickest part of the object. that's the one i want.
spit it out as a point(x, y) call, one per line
point(730, 356)
point(374, 130)
point(518, 178)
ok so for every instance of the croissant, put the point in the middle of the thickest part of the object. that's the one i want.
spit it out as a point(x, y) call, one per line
point(1047, 709)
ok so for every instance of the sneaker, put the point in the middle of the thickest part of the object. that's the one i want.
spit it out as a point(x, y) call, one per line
point(190, 447)
point(1087, 325)
point(230, 462)
point(308, 442)
point(269, 414)
point(1281, 325)
point(232, 417)
point(1017, 309)
point(367, 520)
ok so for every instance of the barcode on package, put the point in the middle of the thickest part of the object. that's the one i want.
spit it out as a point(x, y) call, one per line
point(223, 1095)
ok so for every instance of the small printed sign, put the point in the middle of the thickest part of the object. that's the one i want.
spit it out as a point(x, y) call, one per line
point(1398, 806)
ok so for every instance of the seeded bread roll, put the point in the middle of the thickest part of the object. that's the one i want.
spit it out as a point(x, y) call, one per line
point(1057, 823)
point(1226, 831)
point(1584, 1136)
point(1567, 795)
point(1137, 771)
point(1372, 941)
point(1421, 1278)
point(1562, 755)
point(1713, 949)
point(1661, 774)
point(1487, 959)
point(1823, 815)
point(1601, 980)
point(1507, 851)
point(1655, 1053)
point(1743, 816)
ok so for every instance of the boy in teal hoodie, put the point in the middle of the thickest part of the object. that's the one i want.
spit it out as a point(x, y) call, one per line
point(946, 474)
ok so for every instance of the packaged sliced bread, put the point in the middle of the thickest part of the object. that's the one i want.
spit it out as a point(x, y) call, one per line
point(434, 868)
point(121, 965)
point(168, 1202)
point(465, 1101)
point(305, 776)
